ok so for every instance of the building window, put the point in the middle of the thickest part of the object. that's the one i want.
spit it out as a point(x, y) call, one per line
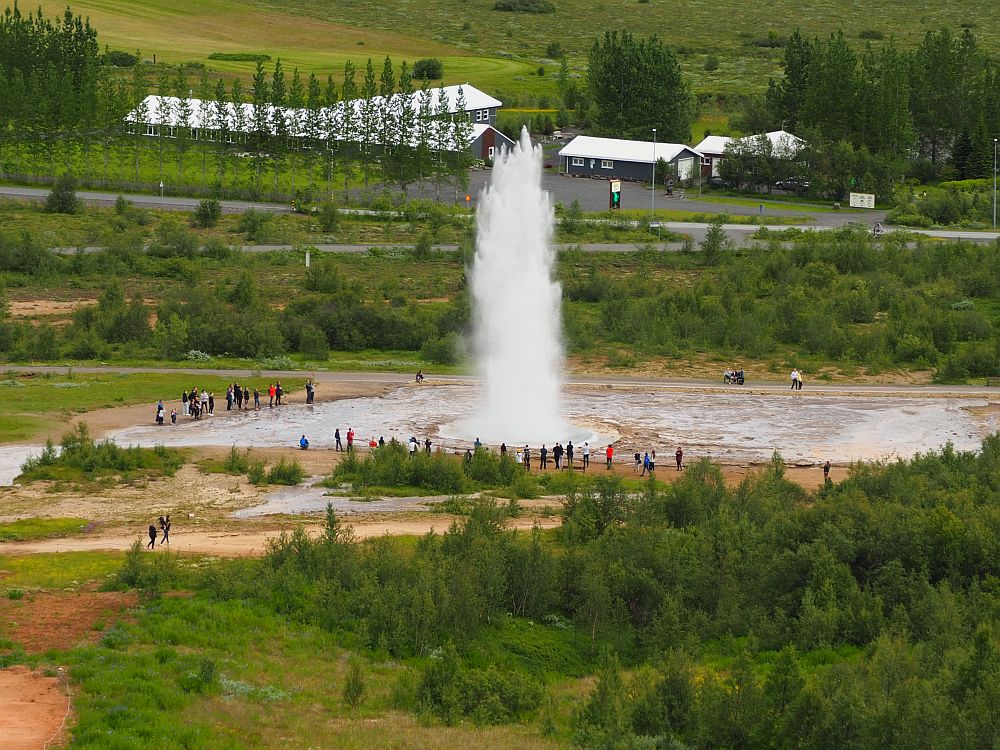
point(194, 134)
point(171, 131)
point(706, 161)
point(210, 135)
point(607, 164)
point(482, 115)
point(152, 130)
point(577, 161)
point(492, 152)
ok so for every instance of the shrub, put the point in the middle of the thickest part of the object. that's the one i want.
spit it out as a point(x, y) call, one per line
point(871, 34)
point(207, 214)
point(328, 217)
point(120, 59)
point(711, 63)
point(123, 205)
point(286, 472)
point(428, 69)
point(313, 343)
point(441, 350)
point(554, 51)
point(240, 56)
point(62, 198)
point(236, 462)
point(252, 224)
point(256, 473)
point(424, 247)
point(354, 687)
point(525, 6)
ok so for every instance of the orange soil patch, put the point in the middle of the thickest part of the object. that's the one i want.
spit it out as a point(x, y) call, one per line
point(34, 308)
point(33, 710)
point(46, 621)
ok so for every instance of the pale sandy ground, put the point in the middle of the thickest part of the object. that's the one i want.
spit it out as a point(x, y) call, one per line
point(33, 709)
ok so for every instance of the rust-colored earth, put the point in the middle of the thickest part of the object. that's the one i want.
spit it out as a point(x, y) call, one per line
point(34, 710)
point(61, 620)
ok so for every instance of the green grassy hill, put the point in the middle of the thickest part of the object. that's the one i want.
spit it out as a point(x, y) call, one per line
point(501, 52)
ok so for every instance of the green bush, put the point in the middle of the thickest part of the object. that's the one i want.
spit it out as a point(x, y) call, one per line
point(207, 214)
point(62, 198)
point(525, 6)
point(428, 69)
point(239, 57)
point(286, 472)
point(441, 350)
point(354, 686)
point(252, 223)
point(328, 216)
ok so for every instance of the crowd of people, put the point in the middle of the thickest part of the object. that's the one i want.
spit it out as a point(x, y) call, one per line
point(199, 403)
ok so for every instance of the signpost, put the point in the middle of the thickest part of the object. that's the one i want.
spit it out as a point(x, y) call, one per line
point(615, 198)
point(862, 200)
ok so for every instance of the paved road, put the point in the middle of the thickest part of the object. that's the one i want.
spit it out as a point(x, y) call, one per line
point(379, 377)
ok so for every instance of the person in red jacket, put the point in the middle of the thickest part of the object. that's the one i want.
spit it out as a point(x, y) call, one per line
point(270, 395)
point(610, 453)
point(350, 438)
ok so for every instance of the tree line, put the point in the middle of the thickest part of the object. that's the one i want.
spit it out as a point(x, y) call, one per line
point(939, 102)
point(62, 109)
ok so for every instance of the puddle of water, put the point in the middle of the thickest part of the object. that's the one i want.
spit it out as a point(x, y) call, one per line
point(11, 458)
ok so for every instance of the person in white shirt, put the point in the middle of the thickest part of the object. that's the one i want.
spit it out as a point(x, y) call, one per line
point(796, 384)
point(586, 455)
point(412, 445)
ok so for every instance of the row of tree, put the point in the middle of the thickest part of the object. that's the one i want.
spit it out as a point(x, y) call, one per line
point(942, 100)
point(62, 110)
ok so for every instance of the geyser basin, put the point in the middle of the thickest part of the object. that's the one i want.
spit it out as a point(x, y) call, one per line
point(730, 427)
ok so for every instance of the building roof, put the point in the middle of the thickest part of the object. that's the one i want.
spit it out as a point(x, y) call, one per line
point(783, 143)
point(614, 148)
point(211, 115)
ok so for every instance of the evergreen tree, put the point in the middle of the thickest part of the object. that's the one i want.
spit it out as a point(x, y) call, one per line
point(935, 77)
point(442, 138)
point(221, 109)
point(786, 98)
point(637, 85)
point(315, 143)
point(260, 135)
point(350, 127)
point(242, 125)
point(297, 127)
point(182, 131)
point(980, 163)
point(138, 91)
point(884, 96)
point(207, 121)
point(424, 133)
point(462, 133)
point(278, 121)
point(831, 103)
point(369, 119)
point(405, 161)
point(163, 115)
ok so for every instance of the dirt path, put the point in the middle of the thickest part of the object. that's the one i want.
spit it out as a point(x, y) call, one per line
point(33, 709)
point(234, 544)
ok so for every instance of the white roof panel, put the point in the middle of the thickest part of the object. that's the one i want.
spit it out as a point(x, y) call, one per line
point(614, 148)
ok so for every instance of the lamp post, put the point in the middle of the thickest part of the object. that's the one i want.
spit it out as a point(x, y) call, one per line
point(652, 190)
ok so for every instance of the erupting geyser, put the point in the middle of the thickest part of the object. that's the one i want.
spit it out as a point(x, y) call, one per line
point(517, 306)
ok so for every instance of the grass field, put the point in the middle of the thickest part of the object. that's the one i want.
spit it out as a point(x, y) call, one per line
point(40, 528)
point(33, 407)
point(500, 52)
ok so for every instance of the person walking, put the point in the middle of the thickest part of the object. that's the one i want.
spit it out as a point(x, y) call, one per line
point(543, 457)
point(795, 379)
point(165, 529)
point(645, 464)
point(652, 463)
point(211, 404)
point(152, 537)
point(609, 454)
point(826, 472)
point(350, 438)
point(679, 457)
point(586, 456)
point(336, 437)
point(638, 461)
